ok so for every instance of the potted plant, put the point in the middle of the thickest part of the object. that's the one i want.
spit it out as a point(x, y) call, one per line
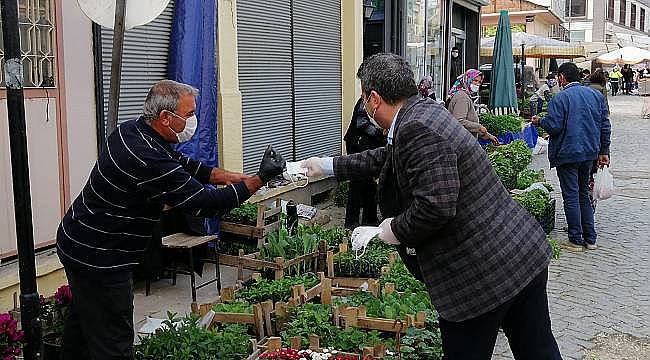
point(54, 312)
point(11, 339)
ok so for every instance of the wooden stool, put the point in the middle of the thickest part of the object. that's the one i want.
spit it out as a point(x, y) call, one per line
point(186, 242)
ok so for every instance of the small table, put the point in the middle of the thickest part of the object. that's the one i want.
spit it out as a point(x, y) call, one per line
point(186, 242)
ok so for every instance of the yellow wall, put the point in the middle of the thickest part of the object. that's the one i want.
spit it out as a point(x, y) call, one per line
point(49, 276)
point(351, 58)
point(231, 155)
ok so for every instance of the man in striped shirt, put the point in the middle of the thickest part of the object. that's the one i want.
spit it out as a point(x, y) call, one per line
point(106, 230)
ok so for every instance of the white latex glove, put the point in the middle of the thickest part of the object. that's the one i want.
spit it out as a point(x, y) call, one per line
point(386, 232)
point(315, 166)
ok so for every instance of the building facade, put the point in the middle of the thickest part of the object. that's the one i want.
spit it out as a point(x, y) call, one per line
point(537, 17)
point(281, 80)
point(607, 20)
point(424, 31)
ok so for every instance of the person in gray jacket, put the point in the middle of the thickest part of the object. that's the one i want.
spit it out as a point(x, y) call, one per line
point(483, 258)
point(461, 105)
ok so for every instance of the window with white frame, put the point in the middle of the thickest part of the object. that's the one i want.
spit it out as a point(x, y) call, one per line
point(36, 23)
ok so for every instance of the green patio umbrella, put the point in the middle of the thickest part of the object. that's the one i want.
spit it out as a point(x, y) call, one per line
point(503, 96)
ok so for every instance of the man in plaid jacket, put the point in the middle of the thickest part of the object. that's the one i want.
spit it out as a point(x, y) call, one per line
point(482, 256)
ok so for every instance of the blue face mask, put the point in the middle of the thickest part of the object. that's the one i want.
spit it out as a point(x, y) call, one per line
point(551, 83)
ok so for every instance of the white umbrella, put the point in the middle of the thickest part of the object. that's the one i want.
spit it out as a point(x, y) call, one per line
point(627, 55)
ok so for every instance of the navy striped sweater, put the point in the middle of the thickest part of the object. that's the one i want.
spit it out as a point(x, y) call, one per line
point(110, 223)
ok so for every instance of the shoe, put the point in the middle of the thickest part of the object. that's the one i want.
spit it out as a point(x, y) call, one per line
point(591, 246)
point(568, 245)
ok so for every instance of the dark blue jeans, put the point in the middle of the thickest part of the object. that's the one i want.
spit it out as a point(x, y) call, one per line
point(574, 182)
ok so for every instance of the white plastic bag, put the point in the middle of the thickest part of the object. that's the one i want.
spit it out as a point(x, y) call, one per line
point(603, 184)
point(541, 146)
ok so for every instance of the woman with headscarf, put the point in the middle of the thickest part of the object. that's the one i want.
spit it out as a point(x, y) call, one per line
point(461, 105)
point(425, 88)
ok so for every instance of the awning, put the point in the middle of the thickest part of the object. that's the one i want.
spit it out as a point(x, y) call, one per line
point(536, 47)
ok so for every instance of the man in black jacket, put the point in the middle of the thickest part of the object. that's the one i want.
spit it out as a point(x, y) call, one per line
point(106, 230)
point(362, 135)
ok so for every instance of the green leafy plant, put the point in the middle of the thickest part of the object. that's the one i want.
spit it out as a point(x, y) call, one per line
point(316, 319)
point(281, 244)
point(535, 201)
point(341, 194)
point(402, 278)
point(390, 306)
point(526, 178)
point(260, 290)
point(237, 307)
point(501, 124)
point(509, 160)
point(333, 235)
point(376, 256)
point(245, 214)
point(185, 339)
point(419, 344)
point(310, 319)
point(232, 247)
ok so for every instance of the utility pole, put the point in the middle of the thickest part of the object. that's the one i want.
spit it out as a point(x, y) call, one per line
point(29, 299)
point(116, 67)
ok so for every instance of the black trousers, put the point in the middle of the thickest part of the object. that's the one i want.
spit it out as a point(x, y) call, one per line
point(524, 319)
point(100, 326)
point(362, 194)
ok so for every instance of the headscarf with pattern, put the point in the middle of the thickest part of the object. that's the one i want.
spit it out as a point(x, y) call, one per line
point(464, 81)
point(424, 88)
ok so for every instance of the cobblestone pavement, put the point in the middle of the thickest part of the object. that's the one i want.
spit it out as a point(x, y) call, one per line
point(606, 291)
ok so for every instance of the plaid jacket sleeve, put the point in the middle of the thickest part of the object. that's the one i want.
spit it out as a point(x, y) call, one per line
point(432, 175)
point(361, 165)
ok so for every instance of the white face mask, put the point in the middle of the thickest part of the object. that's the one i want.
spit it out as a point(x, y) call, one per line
point(454, 54)
point(474, 88)
point(191, 123)
point(372, 117)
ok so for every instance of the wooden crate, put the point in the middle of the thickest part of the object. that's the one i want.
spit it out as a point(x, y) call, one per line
point(260, 318)
point(261, 229)
point(344, 286)
point(279, 266)
point(357, 317)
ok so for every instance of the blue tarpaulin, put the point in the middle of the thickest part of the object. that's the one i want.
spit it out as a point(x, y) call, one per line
point(529, 134)
point(192, 61)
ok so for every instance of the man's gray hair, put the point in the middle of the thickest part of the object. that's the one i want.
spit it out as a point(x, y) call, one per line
point(389, 75)
point(165, 95)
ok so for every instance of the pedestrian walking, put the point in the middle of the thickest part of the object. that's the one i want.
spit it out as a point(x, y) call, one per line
point(362, 135)
point(104, 234)
point(598, 82)
point(461, 106)
point(544, 93)
point(628, 77)
point(483, 258)
point(579, 129)
point(615, 79)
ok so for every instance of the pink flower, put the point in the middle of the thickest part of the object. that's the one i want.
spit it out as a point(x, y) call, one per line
point(63, 295)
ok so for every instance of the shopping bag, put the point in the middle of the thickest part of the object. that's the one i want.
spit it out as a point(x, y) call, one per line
point(541, 146)
point(603, 184)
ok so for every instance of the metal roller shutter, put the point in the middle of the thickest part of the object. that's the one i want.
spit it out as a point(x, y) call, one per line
point(317, 66)
point(264, 45)
point(144, 62)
